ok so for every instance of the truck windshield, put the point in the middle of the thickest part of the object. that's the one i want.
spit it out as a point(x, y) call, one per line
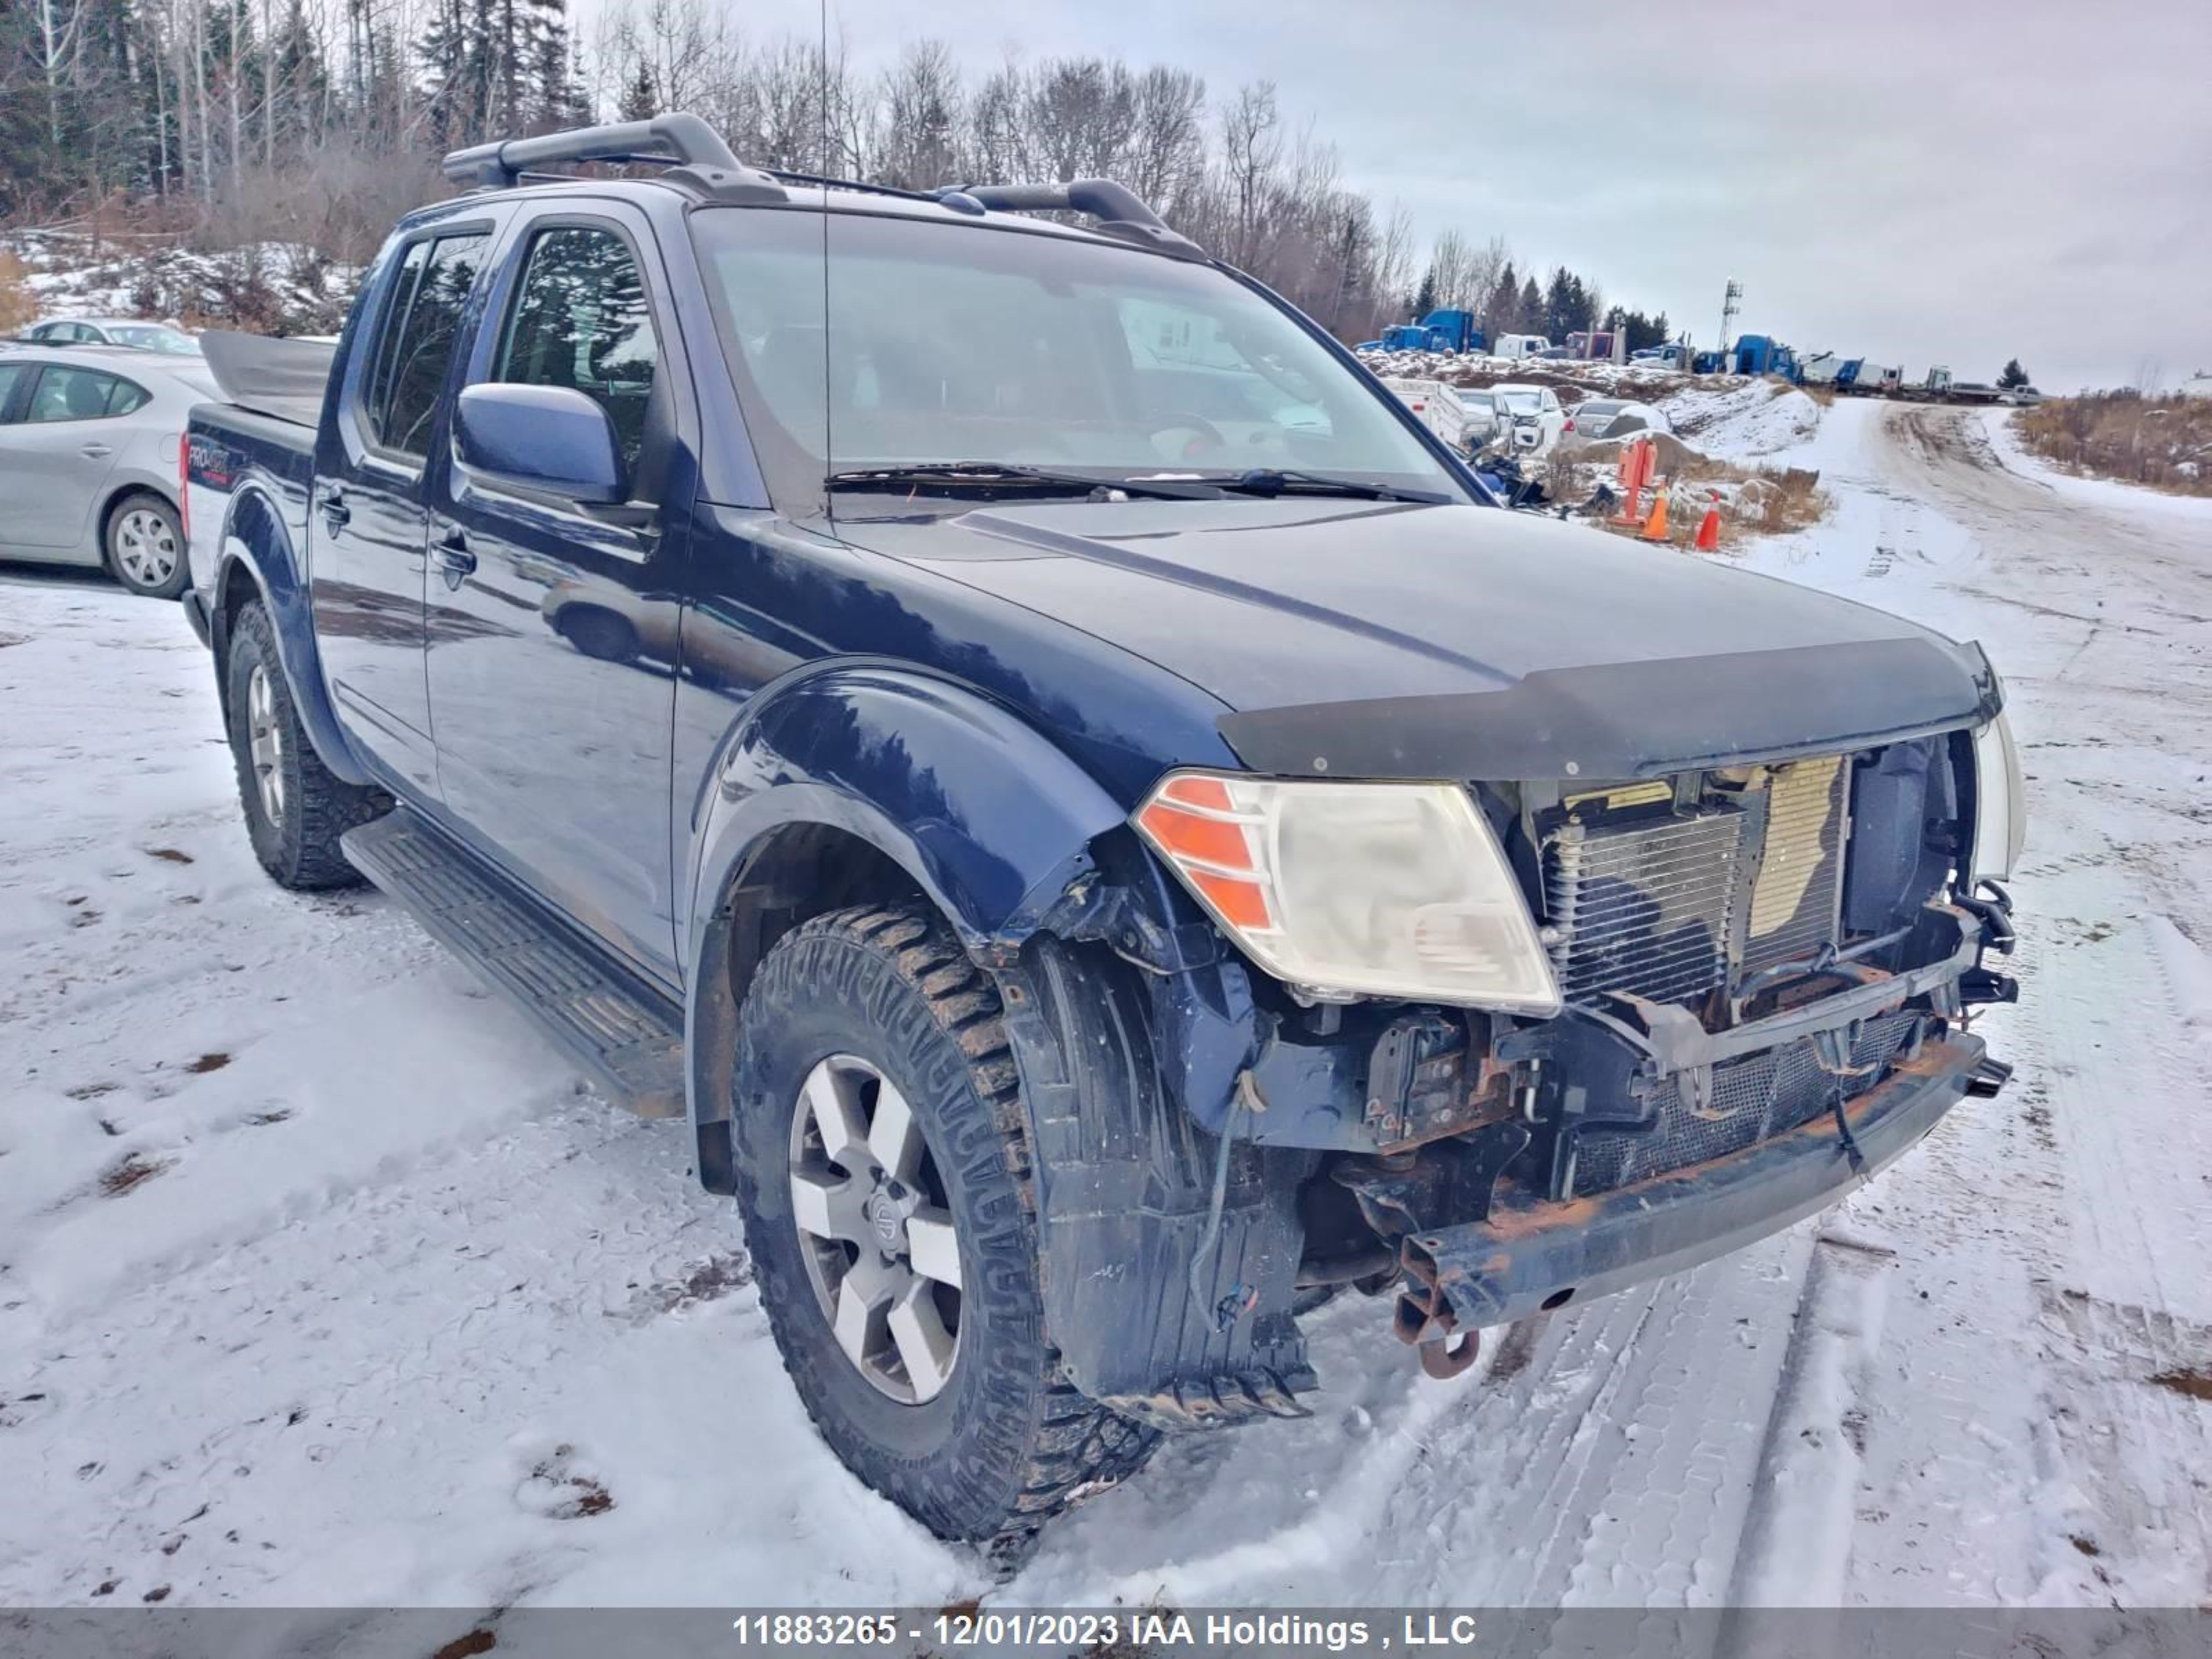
point(924, 343)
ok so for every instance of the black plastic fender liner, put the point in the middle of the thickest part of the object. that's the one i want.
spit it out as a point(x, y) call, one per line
point(1122, 1177)
point(1634, 720)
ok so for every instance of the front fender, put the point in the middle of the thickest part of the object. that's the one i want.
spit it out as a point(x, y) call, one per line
point(986, 815)
point(257, 546)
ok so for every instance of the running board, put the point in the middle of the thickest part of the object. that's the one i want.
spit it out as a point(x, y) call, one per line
point(626, 1035)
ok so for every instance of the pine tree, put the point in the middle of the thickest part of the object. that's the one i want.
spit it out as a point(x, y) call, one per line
point(1531, 320)
point(1425, 298)
point(2014, 376)
point(640, 100)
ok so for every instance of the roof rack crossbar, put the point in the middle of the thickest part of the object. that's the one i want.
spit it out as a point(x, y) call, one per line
point(690, 145)
point(1120, 212)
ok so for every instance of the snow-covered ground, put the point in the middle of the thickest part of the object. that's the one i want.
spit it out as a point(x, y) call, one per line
point(319, 1283)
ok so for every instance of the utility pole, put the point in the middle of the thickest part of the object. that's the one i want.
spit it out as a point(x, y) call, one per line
point(1728, 310)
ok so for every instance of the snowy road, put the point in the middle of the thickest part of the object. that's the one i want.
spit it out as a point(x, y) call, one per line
point(320, 1284)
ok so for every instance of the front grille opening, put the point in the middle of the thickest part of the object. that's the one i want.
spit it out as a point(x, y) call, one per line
point(1754, 1099)
point(1680, 890)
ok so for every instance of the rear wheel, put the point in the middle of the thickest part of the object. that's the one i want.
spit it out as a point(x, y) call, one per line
point(146, 547)
point(295, 807)
point(882, 1176)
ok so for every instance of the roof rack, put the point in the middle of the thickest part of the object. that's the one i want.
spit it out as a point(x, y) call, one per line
point(1120, 212)
point(700, 158)
point(697, 159)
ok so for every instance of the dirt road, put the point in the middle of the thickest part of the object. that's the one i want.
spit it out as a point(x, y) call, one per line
point(319, 1283)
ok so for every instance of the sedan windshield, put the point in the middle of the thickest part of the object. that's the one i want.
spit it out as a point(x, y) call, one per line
point(926, 345)
point(154, 336)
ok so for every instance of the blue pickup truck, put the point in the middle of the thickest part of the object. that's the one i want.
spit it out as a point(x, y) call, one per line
point(1102, 831)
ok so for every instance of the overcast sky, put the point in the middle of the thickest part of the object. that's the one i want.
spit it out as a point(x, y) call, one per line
point(1954, 181)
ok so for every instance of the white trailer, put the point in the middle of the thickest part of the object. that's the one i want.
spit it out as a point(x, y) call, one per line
point(1439, 406)
point(1820, 368)
point(1514, 347)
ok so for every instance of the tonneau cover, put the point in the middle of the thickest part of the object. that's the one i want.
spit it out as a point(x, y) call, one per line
point(282, 378)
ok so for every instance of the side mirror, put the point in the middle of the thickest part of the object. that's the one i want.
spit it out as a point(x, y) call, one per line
point(541, 440)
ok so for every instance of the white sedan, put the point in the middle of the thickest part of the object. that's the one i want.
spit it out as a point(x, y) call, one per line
point(1536, 420)
point(89, 453)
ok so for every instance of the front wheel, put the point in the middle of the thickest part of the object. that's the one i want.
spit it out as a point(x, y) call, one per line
point(882, 1176)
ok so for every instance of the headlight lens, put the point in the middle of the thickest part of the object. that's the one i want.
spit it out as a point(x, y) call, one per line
point(1385, 890)
point(2000, 801)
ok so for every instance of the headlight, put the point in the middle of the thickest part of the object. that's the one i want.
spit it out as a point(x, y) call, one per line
point(1385, 890)
point(2000, 801)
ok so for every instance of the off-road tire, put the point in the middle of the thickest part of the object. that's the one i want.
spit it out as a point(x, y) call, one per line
point(1009, 1443)
point(143, 505)
point(301, 850)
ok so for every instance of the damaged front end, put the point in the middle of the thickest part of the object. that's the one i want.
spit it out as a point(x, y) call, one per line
point(1764, 972)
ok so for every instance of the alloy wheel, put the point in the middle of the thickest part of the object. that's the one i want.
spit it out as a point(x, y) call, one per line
point(265, 742)
point(879, 1243)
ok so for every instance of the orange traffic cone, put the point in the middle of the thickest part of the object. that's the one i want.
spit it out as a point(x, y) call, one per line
point(1709, 528)
point(1655, 527)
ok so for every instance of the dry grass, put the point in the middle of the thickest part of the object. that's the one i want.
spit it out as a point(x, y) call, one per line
point(1756, 501)
point(2166, 443)
point(19, 306)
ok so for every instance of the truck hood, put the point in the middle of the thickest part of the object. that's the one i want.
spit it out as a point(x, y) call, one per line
point(1362, 638)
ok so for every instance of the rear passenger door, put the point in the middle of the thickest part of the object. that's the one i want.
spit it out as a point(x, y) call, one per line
point(367, 523)
point(553, 635)
point(55, 456)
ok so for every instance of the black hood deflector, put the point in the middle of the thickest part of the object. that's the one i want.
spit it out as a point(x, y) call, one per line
point(1634, 720)
point(1378, 640)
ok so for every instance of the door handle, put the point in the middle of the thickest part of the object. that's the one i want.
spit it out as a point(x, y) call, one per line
point(95, 452)
point(455, 561)
point(336, 515)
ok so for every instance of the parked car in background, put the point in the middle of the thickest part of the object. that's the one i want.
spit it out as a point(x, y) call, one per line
point(1613, 417)
point(1533, 415)
point(1481, 410)
point(1514, 347)
point(90, 438)
point(113, 331)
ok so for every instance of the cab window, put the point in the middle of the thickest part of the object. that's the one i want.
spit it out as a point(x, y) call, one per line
point(582, 320)
point(429, 292)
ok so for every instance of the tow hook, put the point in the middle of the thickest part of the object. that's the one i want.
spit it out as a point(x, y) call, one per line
point(1424, 1319)
point(1987, 1078)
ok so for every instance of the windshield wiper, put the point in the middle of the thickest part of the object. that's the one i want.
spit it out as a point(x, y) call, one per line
point(1277, 480)
point(987, 474)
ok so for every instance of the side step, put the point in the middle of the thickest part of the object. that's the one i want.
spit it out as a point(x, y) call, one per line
point(627, 1036)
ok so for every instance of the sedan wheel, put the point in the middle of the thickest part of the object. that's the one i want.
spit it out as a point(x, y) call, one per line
point(145, 549)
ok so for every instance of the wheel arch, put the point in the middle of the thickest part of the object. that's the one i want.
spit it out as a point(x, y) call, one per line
point(118, 494)
point(844, 785)
point(257, 563)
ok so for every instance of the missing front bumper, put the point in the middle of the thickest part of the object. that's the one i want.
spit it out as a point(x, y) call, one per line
point(1532, 1253)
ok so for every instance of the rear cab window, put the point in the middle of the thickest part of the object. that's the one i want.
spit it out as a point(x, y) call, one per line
point(422, 320)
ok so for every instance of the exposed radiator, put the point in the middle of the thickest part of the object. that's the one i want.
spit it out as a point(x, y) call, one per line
point(1644, 907)
point(1798, 896)
point(1658, 903)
